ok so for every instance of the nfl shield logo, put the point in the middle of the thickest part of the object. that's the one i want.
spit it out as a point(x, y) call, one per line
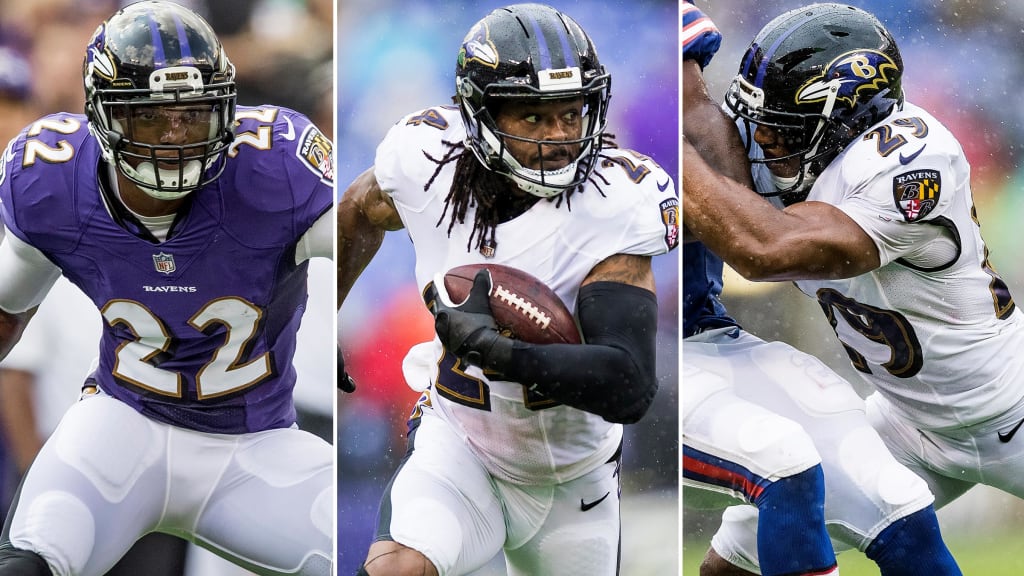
point(163, 263)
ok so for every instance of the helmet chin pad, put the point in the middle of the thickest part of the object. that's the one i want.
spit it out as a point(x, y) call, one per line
point(543, 183)
point(168, 187)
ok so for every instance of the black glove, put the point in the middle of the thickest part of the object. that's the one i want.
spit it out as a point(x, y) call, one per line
point(468, 330)
point(345, 382)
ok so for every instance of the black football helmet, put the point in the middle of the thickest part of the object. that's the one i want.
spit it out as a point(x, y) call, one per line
point(530, 51)
point(819, 76)
point(159, 61)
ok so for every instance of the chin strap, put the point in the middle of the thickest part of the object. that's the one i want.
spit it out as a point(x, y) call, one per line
point(793, 188)
point(529, 180)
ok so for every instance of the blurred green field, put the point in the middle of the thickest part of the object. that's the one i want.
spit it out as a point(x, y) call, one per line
point(993, 554)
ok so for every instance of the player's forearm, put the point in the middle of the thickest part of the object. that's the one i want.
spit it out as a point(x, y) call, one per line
point(715, 137)
point(613, 375)
point(806, 241)
point(358, 242)
point(601, 380)
point(365, 213)
point(710, 130)
point(756, 239)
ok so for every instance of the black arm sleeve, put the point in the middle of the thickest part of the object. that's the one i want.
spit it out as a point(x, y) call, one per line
point(613, 373)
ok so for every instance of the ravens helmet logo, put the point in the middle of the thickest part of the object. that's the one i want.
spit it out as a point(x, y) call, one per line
point(478, 46)
point(851, 74)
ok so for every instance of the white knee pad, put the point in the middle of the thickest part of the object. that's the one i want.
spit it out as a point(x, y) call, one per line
point(67, 545)
point(778, 446)
point(751, 436)
point(748, 436)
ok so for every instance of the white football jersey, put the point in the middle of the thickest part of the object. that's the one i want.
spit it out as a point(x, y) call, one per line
point(934, 329)
point(521, 437)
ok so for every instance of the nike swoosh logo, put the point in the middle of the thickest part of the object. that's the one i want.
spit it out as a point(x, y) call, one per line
point(1006, 437)
point(290, 134)
point(907, 159)
point(661, 187)
point(584, 506)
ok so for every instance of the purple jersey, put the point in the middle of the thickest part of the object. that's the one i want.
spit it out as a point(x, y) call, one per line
point(199, 330)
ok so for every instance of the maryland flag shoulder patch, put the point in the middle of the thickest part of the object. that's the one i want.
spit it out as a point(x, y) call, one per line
point(317, 152)
point(670, 217)
point(916, 193)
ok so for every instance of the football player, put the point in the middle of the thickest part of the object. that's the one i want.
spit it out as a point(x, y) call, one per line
point(517, 446)
point(188, 221)
point(869, 209)
point(871, 501)
point(782, 475)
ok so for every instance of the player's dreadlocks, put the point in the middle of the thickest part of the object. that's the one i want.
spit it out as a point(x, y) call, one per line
point(475, 185)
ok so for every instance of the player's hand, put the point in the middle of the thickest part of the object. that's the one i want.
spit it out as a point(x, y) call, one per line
point(468, 329)
point(345, 382)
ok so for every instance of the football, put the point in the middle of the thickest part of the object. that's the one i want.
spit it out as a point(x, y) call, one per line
point(524, 308)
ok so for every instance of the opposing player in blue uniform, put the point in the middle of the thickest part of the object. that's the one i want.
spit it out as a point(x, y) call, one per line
point(188, 221)
point(782, 474)
point(872, 502)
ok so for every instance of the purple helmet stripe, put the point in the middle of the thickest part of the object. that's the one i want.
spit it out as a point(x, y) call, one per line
point(159, 57)
point(567, 51)
point(542, 45)
point(186, 50)
point(748, 59)
point(763, 68)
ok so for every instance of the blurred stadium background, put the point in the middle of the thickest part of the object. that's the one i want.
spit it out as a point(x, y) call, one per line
point(395, 57)
point(964, 64)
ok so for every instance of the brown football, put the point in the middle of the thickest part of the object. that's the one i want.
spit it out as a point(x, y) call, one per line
point(524, 308)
